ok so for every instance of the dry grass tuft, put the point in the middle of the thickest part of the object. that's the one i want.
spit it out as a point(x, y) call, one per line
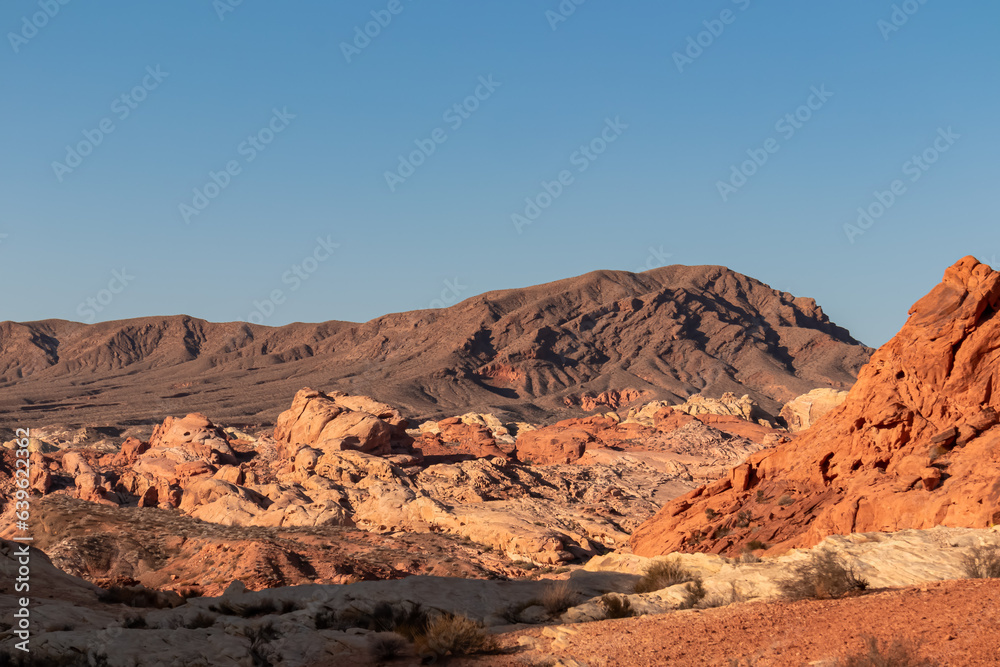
point(457, 635)
point(558, 597)
point(663, 574)
point(899, 653)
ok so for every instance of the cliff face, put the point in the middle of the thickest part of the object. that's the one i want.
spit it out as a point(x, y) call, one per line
point(914, 445)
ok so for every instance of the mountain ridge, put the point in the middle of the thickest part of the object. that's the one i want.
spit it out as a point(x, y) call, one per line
point(667, 333)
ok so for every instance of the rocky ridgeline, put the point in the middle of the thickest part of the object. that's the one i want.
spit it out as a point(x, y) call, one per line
point(916, 443)
point(536, 495)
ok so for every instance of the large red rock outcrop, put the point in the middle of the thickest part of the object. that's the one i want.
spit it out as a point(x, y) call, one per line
point(914, 445)
point(337, 421)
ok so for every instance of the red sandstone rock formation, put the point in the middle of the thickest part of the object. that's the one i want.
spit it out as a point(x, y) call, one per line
point(914, 445)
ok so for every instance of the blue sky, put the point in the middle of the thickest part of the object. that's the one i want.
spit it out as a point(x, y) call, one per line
point(312, 220)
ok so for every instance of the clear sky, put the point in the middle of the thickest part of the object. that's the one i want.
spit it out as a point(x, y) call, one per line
point(634, 126)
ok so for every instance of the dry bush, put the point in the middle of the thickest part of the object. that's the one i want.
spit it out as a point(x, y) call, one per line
point(899, 653)
point(457, 635)
point(663, 574)
point(616, 606)
point(694, 594)
point(261, 607)
point(823, 576)
point(201, 620)
point(982, 562)
point(135, 596)
point(387, 646)
point(558, 597)
point(732, 596)
point(409, 621)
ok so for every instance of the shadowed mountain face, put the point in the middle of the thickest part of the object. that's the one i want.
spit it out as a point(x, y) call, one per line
point(915, 445)
point(530, 353)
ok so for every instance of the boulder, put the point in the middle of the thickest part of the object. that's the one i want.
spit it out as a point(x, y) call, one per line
point(802, 412)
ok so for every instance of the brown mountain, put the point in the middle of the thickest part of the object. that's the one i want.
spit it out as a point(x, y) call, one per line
point(915, 445)
point(534, 353)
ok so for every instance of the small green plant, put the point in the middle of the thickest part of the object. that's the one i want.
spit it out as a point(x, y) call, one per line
point(754, 545)
point(982, 562)
point(743, 519)
point(616, 606)
point(663, 574)
point(899, 653)
point(710, 513)
point(760, 495)
point(822, 576)
point(785, 501)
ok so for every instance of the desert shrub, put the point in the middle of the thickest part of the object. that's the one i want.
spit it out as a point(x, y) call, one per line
point(743, 519)
point(558, 597)
point(387, 646)
point(201, 620)
point(720, 532)
point(409, 621)
point(760, 495)
point(754, 545)
point(457, 635)
point(694, 594)
point(710, 513)
point(134, 621)
point(134, 596)
point(662, 574)
point(823, 576)
point(732, 596)
point(899, 653)
point(748, 556)
point(616, 606)
point(982, 562)
point(785, 501)
point(325, 619)
point(259, 637)
point(261, 607)
point(189, 593)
